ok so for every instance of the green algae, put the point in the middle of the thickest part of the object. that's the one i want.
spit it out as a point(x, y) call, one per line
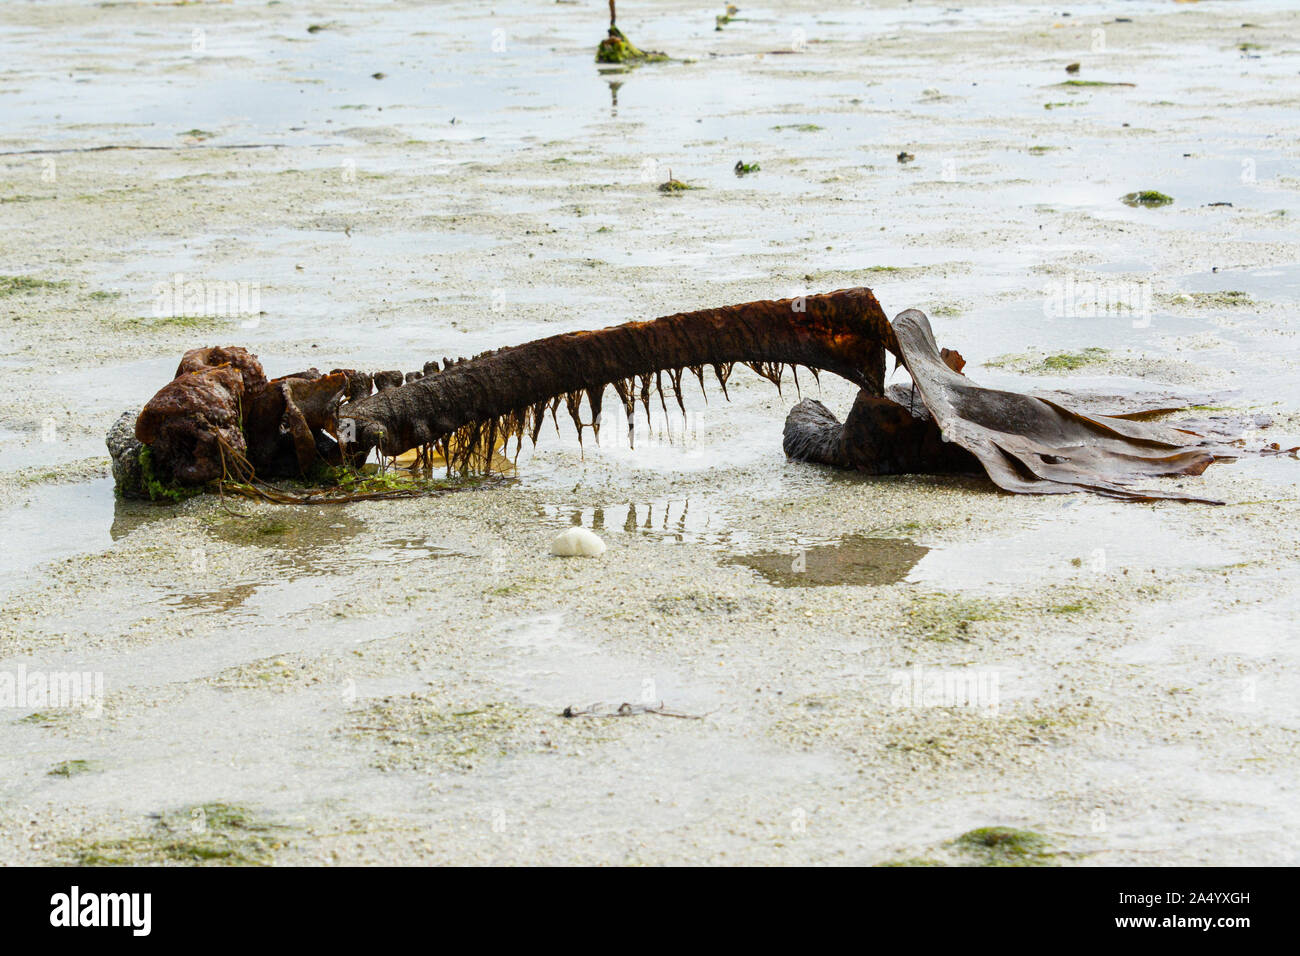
point(156, 487)
point(1005, 846)
point(988, 846)
point(72, 768)
point(913, 861)
point(1147, 198)
point(27, 479)
point(946, 617)
point(1077, 607)
point(210, 834)
point(1072, 361)
point(169, 323)
point(673, 186)
point(16, 285)
point(367, 481)
point(617, 48)
point(1059, 362)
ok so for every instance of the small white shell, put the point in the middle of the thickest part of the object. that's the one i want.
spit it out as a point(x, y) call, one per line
point(578, 542)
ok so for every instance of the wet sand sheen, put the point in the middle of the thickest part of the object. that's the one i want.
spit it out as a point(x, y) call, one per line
point(242, 668)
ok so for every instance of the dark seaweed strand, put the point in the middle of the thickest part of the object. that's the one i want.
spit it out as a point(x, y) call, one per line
point(468, 405)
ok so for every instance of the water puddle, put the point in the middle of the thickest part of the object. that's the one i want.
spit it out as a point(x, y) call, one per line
point(1016, 328)
point(218, 601)
point(855, 560)
point(304, 539)
point(87, 512)
point(542, 659)
point(1126, 265)
point(314, 554)
point(19, 451)
point(1280, 470)
point(1271, 283)
point(1081, 540)
point(113, 388)
point(313, 540)
point(403, 550)
point(300, 274)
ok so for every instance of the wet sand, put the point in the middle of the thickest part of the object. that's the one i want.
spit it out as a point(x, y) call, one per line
point(384, 682)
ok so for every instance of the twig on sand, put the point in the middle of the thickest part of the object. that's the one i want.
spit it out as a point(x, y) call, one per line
point(628, 710)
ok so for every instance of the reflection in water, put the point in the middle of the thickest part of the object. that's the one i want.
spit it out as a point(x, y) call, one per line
point(217, 601)
point(311, 549)
point(854, 560)
point(676, 519)
point(406, 548)
point(305, 538)
point(130, 514)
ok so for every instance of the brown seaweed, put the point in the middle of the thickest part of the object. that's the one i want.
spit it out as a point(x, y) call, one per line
point(221, 405)
point(506, 392)
point(1034, 446)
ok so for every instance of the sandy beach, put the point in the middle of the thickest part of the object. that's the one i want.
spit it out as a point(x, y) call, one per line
point(853, 670)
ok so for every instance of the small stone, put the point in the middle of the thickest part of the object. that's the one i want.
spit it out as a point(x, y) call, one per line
point(578, 543)
point(124, 449)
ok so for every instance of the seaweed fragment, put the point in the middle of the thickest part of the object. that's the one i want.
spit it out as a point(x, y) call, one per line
point(220, 420)
point(617, 48)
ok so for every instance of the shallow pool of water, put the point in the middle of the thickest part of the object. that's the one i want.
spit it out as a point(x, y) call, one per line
point(855, 560)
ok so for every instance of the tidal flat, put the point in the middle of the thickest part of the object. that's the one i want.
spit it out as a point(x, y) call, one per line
point(965, 678)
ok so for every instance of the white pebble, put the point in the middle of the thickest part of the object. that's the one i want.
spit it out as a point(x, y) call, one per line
point(578, 542)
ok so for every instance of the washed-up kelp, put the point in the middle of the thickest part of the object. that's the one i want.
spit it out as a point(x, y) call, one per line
point(1029, 444)
point(221, 409)
point(1023, 443)
point(616, 48)
point(508, 393)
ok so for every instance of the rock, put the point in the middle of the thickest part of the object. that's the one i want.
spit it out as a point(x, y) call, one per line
point(124, 448)
point(578, 543)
